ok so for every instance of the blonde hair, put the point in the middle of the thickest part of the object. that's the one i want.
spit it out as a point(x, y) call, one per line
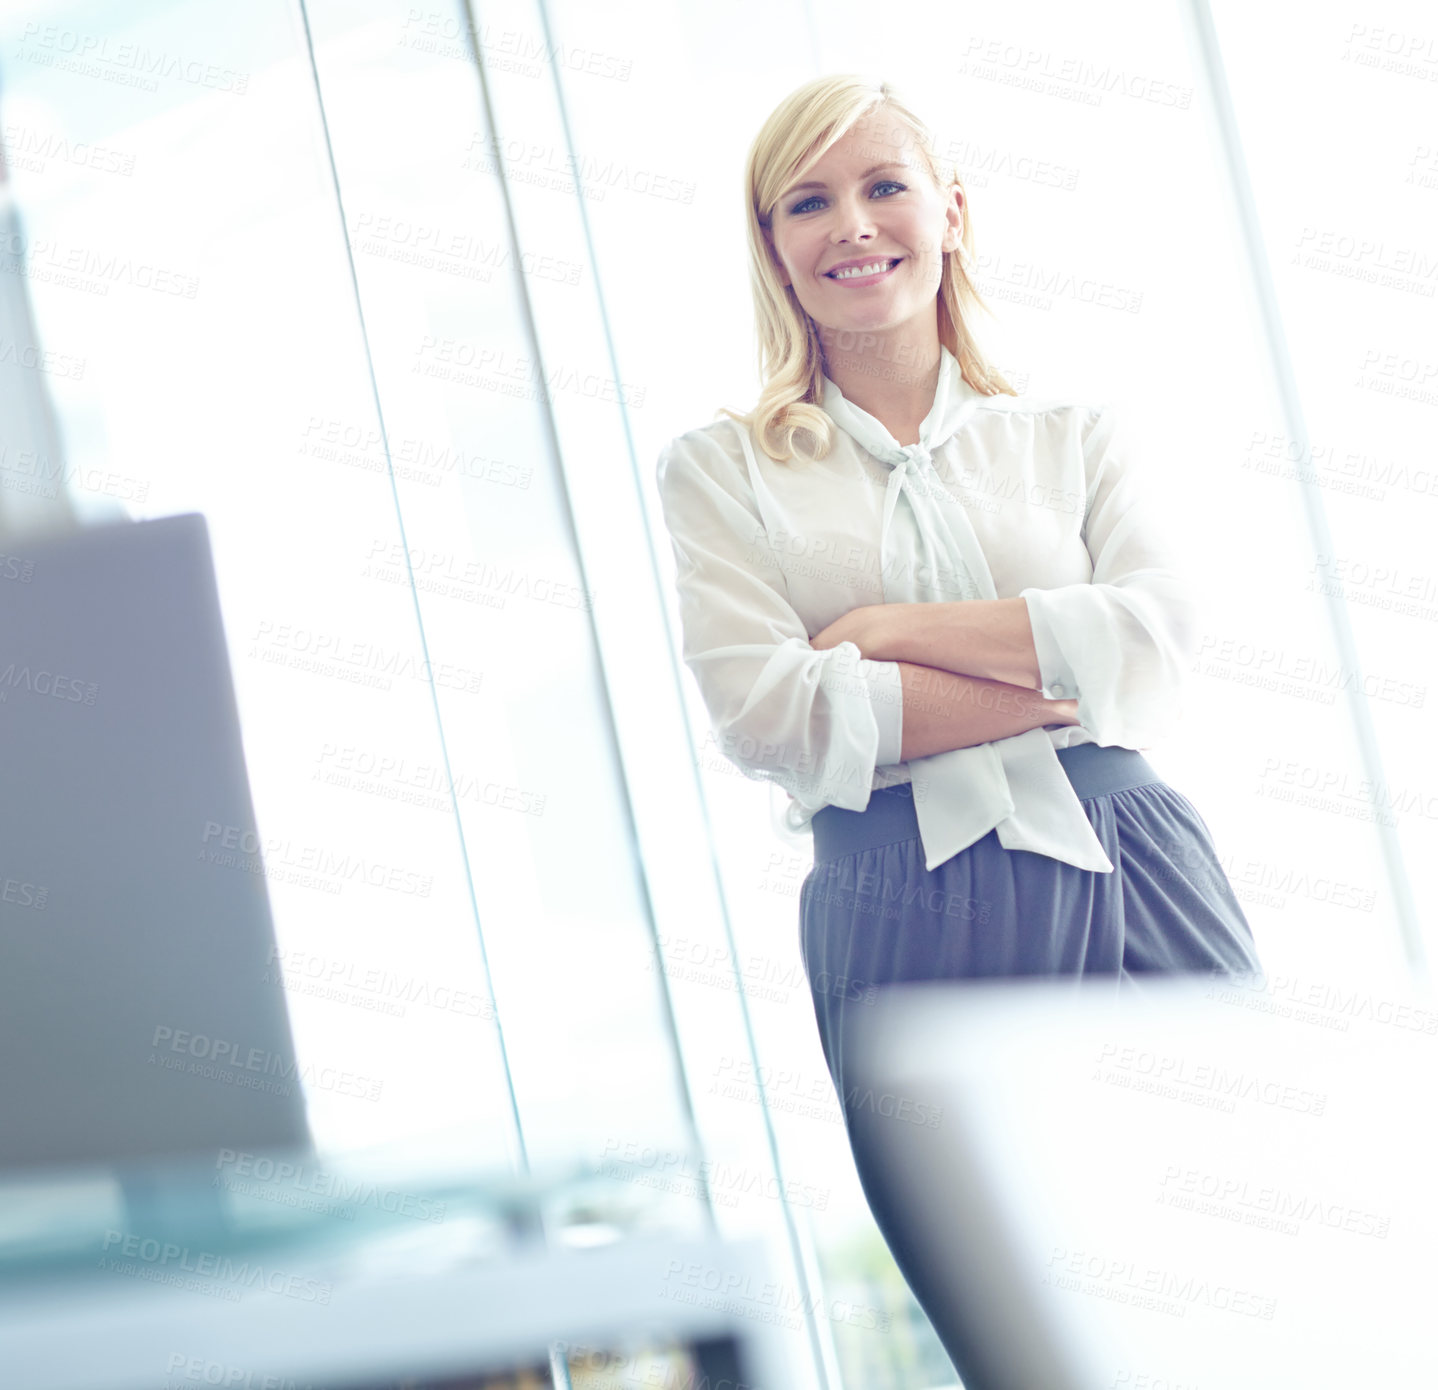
point(799, 131)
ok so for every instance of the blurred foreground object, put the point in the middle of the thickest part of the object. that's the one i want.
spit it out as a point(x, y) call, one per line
point(1198, 1181)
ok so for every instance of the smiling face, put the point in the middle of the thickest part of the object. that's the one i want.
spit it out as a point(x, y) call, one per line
point(860, 234)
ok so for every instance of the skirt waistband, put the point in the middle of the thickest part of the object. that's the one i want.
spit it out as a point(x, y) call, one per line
point(1093, 770)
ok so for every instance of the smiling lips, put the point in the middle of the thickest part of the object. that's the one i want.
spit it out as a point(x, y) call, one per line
point(864, 272)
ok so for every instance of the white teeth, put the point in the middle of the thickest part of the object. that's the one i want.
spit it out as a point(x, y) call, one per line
point(873, 268)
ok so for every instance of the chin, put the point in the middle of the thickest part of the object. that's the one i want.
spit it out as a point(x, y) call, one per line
point(876, 324)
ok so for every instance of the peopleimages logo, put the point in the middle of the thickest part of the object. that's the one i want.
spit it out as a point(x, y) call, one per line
point(172, 1258)
point(41, 681)
point(230, 1061)
point(234, 846)
point(203, 1370)
point(283, 1181)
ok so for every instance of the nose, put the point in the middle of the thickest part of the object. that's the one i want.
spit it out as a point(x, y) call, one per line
point(853, 221)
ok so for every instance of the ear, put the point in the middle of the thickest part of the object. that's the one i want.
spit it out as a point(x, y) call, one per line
point(954, 221)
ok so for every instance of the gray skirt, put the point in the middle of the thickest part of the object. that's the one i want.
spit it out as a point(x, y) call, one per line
point(872, 915)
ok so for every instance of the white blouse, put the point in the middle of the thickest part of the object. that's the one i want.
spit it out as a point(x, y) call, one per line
point(1002, 496)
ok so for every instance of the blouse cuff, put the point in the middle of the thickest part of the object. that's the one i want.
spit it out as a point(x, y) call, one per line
point(1056, 676)
point(881, 686)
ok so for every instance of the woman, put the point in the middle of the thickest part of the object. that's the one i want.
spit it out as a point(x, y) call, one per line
point(940, 615)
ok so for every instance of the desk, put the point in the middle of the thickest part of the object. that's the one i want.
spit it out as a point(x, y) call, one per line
point(424, 1300)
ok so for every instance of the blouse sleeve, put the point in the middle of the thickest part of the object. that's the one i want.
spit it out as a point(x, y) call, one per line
point(815, 722)
point(1124, 642)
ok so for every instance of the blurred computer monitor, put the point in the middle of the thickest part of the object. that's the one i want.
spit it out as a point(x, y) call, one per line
point(135, 930)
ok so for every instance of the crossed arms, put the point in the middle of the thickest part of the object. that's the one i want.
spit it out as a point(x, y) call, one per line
point(969, 670)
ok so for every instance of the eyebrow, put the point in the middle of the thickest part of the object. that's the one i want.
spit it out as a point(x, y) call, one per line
point(819, 183)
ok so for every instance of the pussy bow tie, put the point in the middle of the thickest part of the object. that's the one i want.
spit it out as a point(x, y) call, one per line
point(1015, 785)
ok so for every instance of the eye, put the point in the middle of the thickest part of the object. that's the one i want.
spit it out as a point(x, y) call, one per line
point(801, 207)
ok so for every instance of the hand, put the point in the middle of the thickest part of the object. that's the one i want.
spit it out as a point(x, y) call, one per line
point(862, 626)
point(1065, 713)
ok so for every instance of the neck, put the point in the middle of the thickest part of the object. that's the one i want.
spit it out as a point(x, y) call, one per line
point(891, 376)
